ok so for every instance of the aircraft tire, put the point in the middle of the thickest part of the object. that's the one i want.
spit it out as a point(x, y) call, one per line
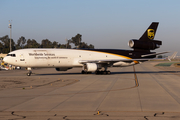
point(29, 73)
point(102, 72)
point(97, 72)
point(82, 72)
point(108, 72)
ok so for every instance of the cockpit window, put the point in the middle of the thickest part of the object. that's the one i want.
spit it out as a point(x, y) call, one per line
point(12, 55)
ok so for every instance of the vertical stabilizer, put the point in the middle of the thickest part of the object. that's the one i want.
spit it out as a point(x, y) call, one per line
point(149, 34)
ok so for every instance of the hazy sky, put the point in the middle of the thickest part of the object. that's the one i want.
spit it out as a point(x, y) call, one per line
point(103, 23)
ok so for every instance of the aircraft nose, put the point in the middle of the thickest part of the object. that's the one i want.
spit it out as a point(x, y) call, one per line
point(5, 59)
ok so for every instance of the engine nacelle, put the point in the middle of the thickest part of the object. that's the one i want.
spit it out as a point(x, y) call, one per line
point(145, 45)
point(90, 67)
point(63, 68)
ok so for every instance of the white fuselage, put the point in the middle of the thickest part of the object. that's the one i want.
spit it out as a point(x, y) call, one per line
point(59, 57)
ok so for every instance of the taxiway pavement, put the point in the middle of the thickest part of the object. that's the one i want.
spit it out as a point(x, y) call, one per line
point(154, 94)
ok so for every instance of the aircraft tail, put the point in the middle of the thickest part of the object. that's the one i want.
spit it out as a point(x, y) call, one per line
point(149, 34)
point(146, 42)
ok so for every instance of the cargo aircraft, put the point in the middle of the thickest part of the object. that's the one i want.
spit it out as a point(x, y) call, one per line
point(91, 60)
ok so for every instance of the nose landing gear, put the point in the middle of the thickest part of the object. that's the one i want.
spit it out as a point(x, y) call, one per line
point(29, 71)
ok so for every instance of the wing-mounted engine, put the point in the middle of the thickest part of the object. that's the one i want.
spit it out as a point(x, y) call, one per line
point(63, 68)
point(144, 45)
point(91, 67)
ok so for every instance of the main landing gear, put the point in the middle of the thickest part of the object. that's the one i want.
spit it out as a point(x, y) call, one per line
point(102, 72)
point(29, 71)
point(97, 72)
point(85, 72)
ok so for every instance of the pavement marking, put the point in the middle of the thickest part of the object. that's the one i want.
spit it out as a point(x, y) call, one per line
point(136, 79)
point(137, 84)
point(79, 92)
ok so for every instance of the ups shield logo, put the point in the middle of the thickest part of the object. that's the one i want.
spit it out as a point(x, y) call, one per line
point(150, 33)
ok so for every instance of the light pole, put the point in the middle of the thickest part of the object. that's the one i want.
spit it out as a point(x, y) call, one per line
point(10, 26)
point(66, 42)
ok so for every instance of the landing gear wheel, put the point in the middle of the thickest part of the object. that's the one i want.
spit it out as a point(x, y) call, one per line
point(82, 72)
point(108, 72)
point(85, 72)
point(102, 72)
point(29, 73)
point(97, 72)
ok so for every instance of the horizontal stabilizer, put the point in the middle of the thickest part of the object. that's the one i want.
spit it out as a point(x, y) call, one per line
point(153, 54)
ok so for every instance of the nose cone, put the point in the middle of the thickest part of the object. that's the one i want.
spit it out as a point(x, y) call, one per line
point(5, 59)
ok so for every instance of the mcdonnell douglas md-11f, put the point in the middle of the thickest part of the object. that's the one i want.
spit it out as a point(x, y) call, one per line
point(91, 60)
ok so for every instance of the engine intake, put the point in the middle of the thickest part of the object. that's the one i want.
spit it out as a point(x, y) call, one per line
point(145, 45)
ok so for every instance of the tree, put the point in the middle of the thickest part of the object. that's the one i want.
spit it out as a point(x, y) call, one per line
point(46, 44)
point(91, 46)
point(55, 44)
point(68, 44)
point(5, 42)
point(85, 45)
point(1, 47)
point(76, 40)
point(32, 44)
point(62, 45)
point(160, 56)
point(20, 43)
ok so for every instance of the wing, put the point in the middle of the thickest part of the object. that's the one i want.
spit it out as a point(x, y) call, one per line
point(108, 61)
point(111, 61)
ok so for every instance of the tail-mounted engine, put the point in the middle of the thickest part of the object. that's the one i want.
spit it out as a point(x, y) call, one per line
point(144, 45)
